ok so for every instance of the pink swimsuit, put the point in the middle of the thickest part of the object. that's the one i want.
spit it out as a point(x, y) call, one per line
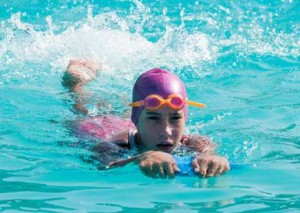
point(103, 127)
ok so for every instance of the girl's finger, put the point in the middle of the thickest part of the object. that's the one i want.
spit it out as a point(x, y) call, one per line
point(212, 168)
point(203, 166)
point(169, 170)
point(196, 165)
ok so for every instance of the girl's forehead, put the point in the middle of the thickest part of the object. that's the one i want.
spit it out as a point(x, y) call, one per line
point(164, 110)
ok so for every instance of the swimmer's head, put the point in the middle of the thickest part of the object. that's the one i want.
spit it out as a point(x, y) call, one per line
point(159, 82)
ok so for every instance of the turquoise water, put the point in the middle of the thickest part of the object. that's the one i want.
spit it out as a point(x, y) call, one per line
point(240, 58)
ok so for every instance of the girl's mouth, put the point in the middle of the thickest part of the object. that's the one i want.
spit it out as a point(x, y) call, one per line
point(165, 146)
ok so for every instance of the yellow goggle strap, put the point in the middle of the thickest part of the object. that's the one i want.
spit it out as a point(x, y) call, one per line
point(196, 104)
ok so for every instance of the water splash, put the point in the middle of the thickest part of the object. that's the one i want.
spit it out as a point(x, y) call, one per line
point(122, 42)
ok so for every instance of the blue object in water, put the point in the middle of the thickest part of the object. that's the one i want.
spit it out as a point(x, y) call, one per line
point(184, 163)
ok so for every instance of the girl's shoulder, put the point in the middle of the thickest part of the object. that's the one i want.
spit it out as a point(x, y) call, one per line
point(125, 139)
point(121, 138)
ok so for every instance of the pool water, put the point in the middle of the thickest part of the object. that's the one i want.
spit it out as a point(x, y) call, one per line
point(241, 58)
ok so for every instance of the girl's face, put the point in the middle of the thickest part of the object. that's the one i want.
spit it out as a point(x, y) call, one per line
point(160, 129)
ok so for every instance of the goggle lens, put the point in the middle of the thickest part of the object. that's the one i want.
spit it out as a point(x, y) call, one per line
point(152, 102)
point(177, 102)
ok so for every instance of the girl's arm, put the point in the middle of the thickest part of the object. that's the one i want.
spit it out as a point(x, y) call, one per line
point(78, 74)
point(115, 151)
point(110, 154)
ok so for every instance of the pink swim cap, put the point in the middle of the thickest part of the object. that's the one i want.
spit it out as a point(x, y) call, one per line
point(156, 81)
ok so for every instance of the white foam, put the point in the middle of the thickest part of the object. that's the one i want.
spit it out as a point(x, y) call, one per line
point(120, 45)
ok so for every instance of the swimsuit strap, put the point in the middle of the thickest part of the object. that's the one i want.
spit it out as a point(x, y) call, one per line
point(131, 140)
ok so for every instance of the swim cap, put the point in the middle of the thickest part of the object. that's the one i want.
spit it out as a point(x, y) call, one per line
point(156, 81)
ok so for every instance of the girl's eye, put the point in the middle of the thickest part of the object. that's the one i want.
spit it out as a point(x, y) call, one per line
point(153, 118)
point(177, 117)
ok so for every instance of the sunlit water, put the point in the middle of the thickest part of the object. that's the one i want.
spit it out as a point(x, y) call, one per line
point(240, 58)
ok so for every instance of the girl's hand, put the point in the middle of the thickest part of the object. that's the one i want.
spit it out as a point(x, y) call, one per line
point(157, 164)
point(210, 165)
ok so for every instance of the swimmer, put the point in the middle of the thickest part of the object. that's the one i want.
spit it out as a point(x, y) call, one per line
point(159, 110)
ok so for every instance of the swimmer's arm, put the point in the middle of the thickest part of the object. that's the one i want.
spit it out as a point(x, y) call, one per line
point(111, 154)
point(199, 144)
point(123, 162)
point(108, 159)
point(153, 164)
point(115, 151)
point(78, 74)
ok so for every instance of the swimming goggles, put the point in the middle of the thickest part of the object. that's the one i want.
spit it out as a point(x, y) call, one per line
point(174, 101)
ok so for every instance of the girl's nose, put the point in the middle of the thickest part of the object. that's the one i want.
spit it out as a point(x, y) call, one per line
point(165, 129)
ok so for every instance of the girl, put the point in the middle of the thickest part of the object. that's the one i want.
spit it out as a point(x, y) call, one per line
point(159, 112)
